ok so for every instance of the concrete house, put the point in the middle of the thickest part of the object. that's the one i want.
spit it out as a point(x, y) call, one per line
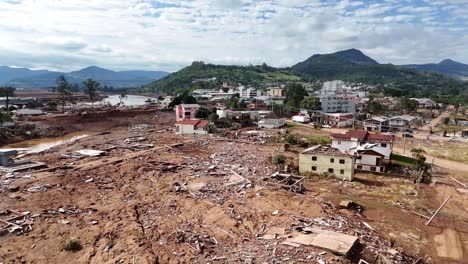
point(368, 159)
point(376, 123)
point(271, 123)
point(186, 111)
point(327, 160)
point(192, 127)
point(401, 123)
point(338, 119)
point(349, 142)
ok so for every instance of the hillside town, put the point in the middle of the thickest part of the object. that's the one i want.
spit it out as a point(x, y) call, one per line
point(233, 131)
point(287, 173)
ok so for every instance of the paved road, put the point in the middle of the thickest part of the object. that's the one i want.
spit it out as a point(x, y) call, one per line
point(448, 164)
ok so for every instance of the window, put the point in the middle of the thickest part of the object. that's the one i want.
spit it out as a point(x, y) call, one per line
point(314, 158)
point(341, 171)
point(339, 142)
point(314, 168)
point(332, 160)
point(342, 161)
point(359, 167)
point(372, 168)
point(383, 145)
point(330, 170)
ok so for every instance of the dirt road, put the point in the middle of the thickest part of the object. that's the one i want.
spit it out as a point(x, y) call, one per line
point(435, 121)
point(448, 164)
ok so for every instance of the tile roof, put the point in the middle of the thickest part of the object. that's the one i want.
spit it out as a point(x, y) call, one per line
point(197, 123)
point(359, 134)
point(380, 137)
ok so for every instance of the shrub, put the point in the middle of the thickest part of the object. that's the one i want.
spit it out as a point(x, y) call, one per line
point(73, 245)
point(279, 159)
point(291, 140)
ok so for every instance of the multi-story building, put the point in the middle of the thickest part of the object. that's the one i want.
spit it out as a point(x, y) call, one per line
point(327, 160)
point(186, 111)
point(338, 103)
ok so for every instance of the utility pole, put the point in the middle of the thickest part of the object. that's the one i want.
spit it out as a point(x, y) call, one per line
point(404, 144)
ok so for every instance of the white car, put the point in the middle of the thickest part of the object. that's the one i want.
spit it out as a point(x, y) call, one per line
point(326, 126)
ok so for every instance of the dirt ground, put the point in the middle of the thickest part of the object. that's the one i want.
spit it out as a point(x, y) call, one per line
point(172, 202)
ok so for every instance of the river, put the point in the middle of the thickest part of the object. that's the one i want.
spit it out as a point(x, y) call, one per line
point(42, 144)
point(130, 100)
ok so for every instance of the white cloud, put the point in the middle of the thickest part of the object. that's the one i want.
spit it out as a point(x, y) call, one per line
point(169, 34)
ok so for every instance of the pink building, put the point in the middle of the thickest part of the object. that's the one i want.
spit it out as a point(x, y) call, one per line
point(186, 111)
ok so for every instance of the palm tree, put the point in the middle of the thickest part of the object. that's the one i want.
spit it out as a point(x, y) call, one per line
point(122, 95)
point(63, 87)
point(91, 87)
point(7, 92)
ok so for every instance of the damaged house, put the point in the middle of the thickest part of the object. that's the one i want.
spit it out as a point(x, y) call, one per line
point(370, 149)
point(191, 127)
point(327, 160)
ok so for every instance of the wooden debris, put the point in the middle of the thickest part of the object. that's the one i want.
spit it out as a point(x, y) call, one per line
point(436, 212)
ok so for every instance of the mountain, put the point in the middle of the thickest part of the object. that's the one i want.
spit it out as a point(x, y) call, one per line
point(25, 78)
point(210, 76)
point(353, 66)
point(349, 65)
point(8, 73)
point(447, 66)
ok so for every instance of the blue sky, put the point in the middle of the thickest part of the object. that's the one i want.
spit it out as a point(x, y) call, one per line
point(170, 34)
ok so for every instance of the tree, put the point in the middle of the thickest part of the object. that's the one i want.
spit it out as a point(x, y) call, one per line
point(183, 98)
point(122, 95)
point(374, 107)
point(202, 113)
point(295, 93)
point(408, 104)
point(233, 103)
point(7, 92)
point(311, 103)
point(417, 151)
point(91, 87)
point(5, 116)
point(213, 117)
point(63, 88)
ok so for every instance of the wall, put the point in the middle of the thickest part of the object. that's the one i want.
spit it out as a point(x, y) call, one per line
point(343, 145)
point(323, 164)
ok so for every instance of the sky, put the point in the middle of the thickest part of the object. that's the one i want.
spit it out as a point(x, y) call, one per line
point(167, 35)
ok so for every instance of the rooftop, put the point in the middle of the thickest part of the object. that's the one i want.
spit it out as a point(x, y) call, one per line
point(324, 150)
point(362, 135)
point(197, 123)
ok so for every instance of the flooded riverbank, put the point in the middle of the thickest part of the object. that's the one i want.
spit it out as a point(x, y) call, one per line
point(42, 144)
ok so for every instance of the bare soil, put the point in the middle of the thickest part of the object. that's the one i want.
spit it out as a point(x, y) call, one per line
point(132, 212)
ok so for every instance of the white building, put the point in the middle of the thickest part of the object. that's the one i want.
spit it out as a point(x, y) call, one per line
point(192, 127)
point(249, 92)
point(350, 142)
point(338, 103)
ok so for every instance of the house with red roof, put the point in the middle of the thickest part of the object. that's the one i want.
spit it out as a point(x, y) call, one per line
point(192, 127)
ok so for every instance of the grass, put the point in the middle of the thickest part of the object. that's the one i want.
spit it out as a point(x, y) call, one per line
point(291, 125)
point(280, 76)
point(318, 140)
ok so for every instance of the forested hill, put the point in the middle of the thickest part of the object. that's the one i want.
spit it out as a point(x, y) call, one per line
point(201, 75)
point(348, 65)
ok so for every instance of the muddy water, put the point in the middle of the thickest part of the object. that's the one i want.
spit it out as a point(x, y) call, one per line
point(39, 145)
